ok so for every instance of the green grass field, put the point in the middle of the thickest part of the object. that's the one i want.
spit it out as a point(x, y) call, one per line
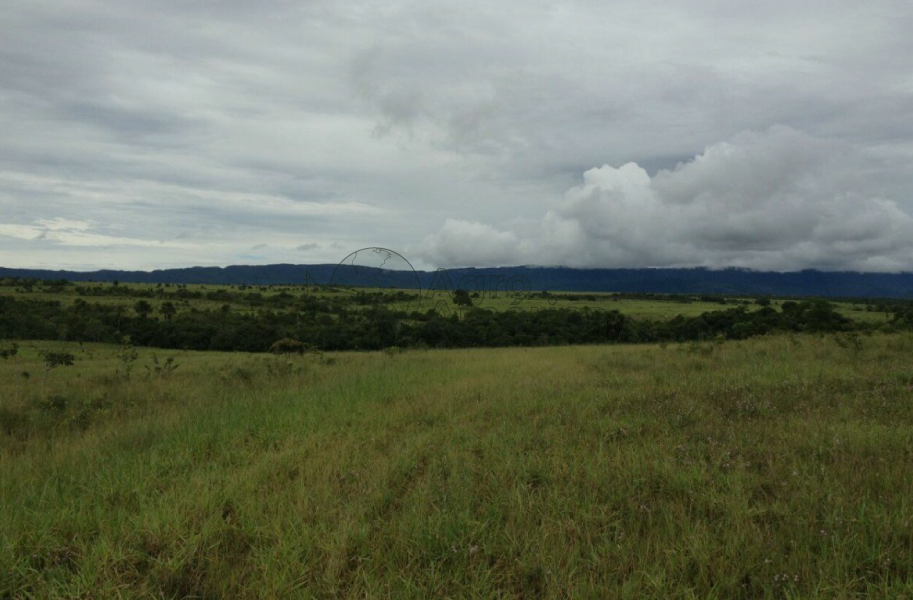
point(777, 467)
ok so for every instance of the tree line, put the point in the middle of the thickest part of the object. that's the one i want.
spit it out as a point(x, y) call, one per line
point(325, 325)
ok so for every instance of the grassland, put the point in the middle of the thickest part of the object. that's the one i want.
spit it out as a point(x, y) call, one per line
point(776, 467)
point(658, 308)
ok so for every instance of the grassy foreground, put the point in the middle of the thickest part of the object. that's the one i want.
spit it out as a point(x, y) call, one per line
point(776, 467)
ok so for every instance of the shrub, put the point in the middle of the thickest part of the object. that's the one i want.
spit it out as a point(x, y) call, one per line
point(290, 346)
point(161, 370)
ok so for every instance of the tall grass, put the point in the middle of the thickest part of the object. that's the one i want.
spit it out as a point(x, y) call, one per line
point(770, 468)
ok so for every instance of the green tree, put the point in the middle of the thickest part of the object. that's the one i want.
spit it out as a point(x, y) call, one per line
point(143, 309)
point(52, 360)
point(461, 298)
point(168, 310)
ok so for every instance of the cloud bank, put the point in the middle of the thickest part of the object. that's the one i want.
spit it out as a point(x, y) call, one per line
point(774, 200)
point(212, 133)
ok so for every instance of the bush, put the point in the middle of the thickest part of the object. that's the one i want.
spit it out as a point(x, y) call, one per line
point(290, 346)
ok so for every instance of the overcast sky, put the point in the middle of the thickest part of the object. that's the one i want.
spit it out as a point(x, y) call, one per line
point(151, 134)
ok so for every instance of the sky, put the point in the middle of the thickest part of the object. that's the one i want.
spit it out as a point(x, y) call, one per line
point(772, 135)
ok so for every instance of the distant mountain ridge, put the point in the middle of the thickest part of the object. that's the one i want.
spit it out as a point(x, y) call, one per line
point(843, 284)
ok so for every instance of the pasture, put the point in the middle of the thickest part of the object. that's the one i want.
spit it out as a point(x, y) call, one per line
point(774, 467)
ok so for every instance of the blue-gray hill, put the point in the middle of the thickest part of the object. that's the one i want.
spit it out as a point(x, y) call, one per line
point(668, 281)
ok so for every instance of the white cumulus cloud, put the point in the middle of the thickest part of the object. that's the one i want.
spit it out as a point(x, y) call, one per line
point(779, 199)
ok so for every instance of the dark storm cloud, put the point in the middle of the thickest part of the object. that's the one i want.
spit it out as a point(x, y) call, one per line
point(202, 129)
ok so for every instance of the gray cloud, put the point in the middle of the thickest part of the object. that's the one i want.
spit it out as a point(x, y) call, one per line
point(778, 199)
point(199, 129)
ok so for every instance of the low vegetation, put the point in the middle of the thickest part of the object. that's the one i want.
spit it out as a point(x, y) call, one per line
point(772, 467)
